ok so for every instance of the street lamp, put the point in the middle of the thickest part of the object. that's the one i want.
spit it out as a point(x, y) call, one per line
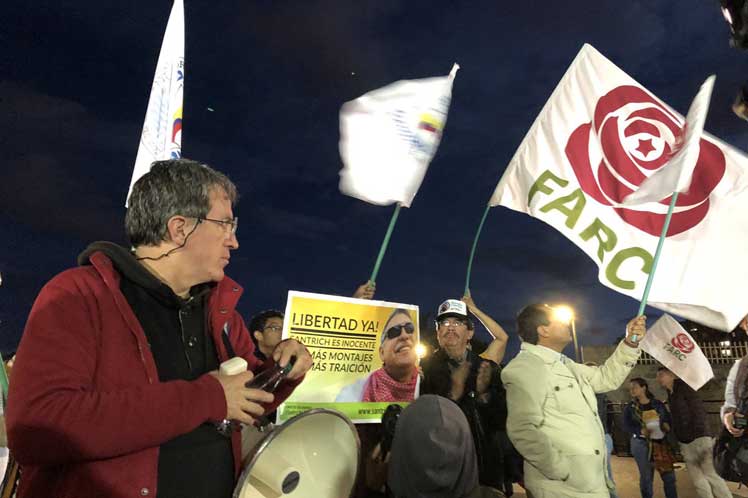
point(565, 314)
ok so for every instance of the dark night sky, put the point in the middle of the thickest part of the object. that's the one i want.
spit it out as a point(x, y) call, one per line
point(74, 84)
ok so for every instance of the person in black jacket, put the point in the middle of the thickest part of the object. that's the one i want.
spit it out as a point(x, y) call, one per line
point(474, 383)
point(690, 428)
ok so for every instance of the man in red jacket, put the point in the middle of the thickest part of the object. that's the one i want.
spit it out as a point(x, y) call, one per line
point(115, 388)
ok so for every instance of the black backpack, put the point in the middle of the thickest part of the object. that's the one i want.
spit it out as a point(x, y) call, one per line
point(731, 457)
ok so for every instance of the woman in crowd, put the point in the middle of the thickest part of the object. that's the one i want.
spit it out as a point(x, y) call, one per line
point(648, 421)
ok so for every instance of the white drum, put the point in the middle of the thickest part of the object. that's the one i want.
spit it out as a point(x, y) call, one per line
point(313, 455)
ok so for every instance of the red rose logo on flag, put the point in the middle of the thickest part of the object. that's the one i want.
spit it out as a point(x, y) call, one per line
point(683, 343)
point(637, 135)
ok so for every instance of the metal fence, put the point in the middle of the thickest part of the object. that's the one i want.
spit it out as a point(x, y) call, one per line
point(718, 353)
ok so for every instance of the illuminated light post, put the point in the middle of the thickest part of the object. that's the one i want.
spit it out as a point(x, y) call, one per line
point(565, 314)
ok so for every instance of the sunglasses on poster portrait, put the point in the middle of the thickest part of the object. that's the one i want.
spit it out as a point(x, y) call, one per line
point(395, 331)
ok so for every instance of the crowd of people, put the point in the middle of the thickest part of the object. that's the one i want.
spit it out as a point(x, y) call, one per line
point(116, 389)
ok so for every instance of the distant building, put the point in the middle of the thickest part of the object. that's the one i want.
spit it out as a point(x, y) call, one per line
point(703, 334)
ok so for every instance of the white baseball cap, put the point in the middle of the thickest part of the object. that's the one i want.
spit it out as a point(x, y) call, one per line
point(452, 307)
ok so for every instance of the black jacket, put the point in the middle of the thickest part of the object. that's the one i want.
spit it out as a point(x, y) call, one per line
point(688, 413)
point(487, 420)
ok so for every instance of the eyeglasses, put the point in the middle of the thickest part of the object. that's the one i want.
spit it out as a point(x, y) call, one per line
point(451, 321)
point(395, 331)
point(233, 224)
point(274, 328)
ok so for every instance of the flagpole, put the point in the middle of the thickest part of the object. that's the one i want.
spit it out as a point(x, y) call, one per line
point(3, 378)
point(472, 251)
point(650, 278)
point(385, 243)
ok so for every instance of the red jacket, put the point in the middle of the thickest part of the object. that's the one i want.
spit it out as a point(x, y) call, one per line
point(86, 413)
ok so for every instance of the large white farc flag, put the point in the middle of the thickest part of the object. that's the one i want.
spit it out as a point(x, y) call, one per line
point(388, 137)
point(669, 343)
point(162, 129)
point(599, 136)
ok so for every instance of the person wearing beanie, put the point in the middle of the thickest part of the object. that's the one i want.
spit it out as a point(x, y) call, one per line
point(433, 455)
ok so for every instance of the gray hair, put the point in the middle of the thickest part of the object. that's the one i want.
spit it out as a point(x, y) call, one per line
point(172, 187)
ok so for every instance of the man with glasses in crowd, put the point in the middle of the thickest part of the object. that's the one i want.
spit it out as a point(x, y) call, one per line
point(116, 390)
point(266, 328)
point(456, 372)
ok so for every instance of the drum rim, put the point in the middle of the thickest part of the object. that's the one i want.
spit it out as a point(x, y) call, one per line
point(264, 442)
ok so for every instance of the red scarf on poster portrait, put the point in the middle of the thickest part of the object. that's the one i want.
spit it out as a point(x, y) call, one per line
point(381, 387)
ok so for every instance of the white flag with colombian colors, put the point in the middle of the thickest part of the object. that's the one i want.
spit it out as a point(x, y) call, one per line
point(388, 137)
point(162, 129)
point(597, 139)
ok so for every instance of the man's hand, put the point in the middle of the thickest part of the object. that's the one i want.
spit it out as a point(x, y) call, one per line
point(729, 421)
point(469, 302)
point(291, 348)
point(365, 290)
point(645, 432)
point(483, 380)
point(242, 404)
point(9, 366)
point(638, 327)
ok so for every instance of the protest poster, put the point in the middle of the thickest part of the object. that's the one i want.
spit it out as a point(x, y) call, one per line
point(350, 340)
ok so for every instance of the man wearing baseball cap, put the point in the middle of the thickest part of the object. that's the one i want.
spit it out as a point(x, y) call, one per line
point(456, 372)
